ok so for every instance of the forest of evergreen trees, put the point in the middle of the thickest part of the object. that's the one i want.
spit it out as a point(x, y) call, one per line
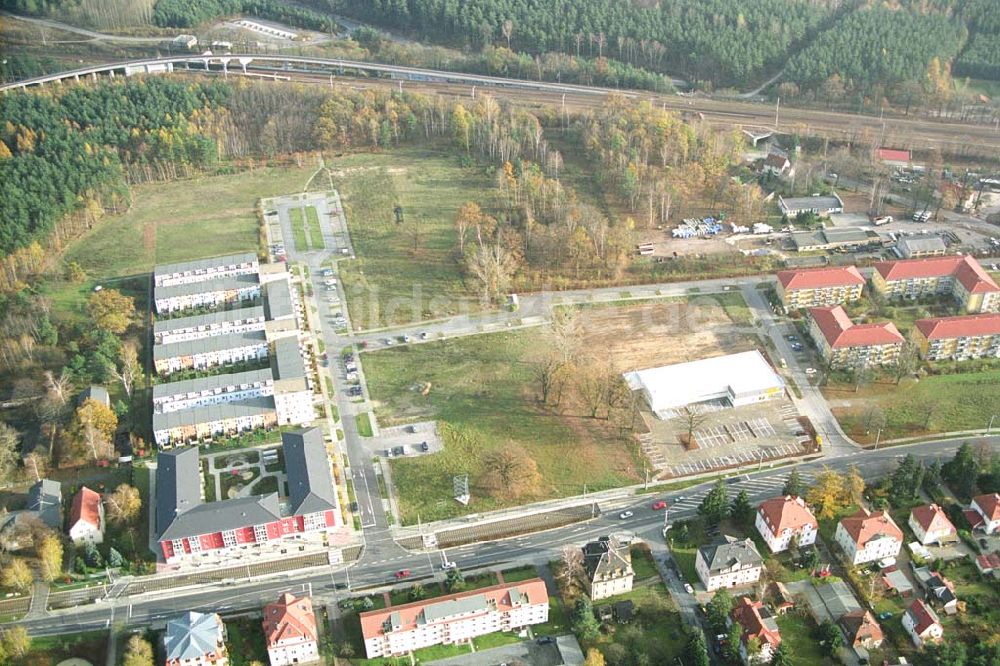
point(719, 40)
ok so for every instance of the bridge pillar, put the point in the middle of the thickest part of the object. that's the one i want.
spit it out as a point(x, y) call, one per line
point(93, 76)
point(76, 77)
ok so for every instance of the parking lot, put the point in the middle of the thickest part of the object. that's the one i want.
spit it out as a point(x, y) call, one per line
point(725, 437)
point(414, 439)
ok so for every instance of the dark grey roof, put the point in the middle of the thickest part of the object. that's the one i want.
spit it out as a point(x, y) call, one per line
point(225, 515)
point(98, 393)
point(278, 299)
point(215, 343)
point(728, 551)
point(217, 412)
point(178, 485)
point(45, 498)
point(848, 235)
point(167, 270)
point(211, 318)
point(210, 383)
point(214, 284)
point(606, 557)
point(310, 486)
point(287, 360)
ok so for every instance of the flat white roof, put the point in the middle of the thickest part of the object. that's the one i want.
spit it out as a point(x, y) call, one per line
point(731, 376)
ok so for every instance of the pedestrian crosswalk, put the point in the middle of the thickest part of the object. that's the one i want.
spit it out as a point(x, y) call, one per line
point(755, 486)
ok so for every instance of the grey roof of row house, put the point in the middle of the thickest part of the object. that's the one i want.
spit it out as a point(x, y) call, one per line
point(179, 323)
point(838, 598)
point(310, 486)
point(167, 270)
point(45, 499)
point(211, 383)
point(215, 343)
point(278, 299)
point(180, 512)
point(223, 283)
point(217, 412)
point(727, 551)
point(287, 361)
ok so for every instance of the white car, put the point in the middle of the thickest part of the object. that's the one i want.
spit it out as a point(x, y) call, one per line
point(625, 514)
point(445, 566)
point(688, 588)
point(810, 371)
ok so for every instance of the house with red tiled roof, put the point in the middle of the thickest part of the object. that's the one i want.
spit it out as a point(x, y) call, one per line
point(988, 565)
point(757, 622)
point(86, 517)
point(454, 618)
point(960, 277)
point(922, 624)
point(930, 524)
point(958, 338)
point(844, 344)
point(988, 509)
point(290, 631)
point(781, 519)
point(861, 629)
point(814, 287)
point(868, 536)
point(775, 164)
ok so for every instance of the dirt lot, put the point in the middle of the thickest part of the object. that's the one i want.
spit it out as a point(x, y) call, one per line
point(665, 245)
point(657, 333)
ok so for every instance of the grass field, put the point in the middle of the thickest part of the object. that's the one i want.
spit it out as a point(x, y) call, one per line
point(315, 231)
point(483, 393)
point(939, 403)
point(797, 633)
point(169, 222)
point(656, 631)
point(298, 229)
point(364, 424)
point(405, 272)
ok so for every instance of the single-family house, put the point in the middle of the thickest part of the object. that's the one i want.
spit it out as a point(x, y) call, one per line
point(86, 517)
point(195, 639)
point(728, 562)
point(290, 631)
point(930, 524)
point(757, 623)
point(861, 629)
point(608, 564)
point(922, 624)
point(988, 508)
point(988, 565)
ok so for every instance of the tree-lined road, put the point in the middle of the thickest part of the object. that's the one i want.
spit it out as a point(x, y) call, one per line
point(330, 583)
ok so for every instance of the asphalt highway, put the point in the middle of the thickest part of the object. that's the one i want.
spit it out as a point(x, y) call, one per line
point(328, 584)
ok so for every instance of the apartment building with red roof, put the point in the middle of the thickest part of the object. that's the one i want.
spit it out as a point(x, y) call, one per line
point(958, 338)
point(86, 517)
point(290, 631)
point(961, 277)
point(454, 618)
point(781, 519)
point(930, 524)
point(867, 536)
point(814, 287)
point(844, 344)
point(758, 622)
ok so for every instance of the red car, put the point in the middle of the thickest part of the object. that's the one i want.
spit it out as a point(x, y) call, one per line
point(403, 573)
point(659, 504)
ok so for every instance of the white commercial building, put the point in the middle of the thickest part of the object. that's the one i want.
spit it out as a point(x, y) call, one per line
point(736, 379)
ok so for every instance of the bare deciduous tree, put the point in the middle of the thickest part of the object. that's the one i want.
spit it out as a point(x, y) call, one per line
point(129, 367)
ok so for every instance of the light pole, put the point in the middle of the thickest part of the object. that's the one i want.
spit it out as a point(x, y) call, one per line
point(878, 436)
point(990, 426)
